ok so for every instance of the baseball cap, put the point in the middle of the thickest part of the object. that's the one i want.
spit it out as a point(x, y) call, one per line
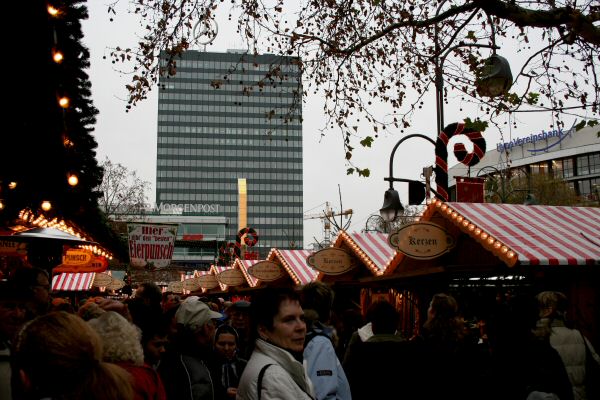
point(193, 313)
point(241, 305)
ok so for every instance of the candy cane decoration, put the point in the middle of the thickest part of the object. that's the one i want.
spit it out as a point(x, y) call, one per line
point(464, 157)
point(250, 240)
point(225, 253)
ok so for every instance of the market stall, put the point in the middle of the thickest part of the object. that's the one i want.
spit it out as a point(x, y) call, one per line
point(294, 263)
point(482, 250)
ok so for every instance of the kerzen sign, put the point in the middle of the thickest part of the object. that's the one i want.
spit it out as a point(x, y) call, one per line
point(422, 240)
point(231, 277)
point(208, 281)
point(266, 271)
point(151, 244)
point(331, 261)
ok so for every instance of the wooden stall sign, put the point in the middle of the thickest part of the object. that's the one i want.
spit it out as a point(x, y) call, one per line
point(207, 281)
point(102, 280)
point(266, 271)
point(331, 261)
point(422, 240)
point(191, 284)
point(231, 277)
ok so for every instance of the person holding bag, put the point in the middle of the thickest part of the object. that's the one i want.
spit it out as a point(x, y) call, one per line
point(576, 352)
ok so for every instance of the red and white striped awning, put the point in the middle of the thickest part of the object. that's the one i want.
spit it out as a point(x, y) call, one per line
point(530, 235)
point(73, 281)
point(216, 270)
point(294, 262)
point(243, 265)
point(371, 248)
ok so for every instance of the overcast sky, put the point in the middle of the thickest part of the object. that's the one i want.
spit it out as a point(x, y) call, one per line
point(130, 138)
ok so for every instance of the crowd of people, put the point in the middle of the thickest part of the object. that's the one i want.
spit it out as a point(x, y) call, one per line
point(281, 344)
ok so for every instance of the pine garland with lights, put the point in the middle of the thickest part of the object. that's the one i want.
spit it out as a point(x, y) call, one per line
point(50, 153)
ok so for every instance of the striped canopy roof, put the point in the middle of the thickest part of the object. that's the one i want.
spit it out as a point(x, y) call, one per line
point(294, 262)
point(216, 270)
point(73, 281)
point(529, 235)
point(243, 265)
point(371, 248)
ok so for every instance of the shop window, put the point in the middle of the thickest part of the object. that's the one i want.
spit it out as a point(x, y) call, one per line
point(584, 188)
point(583, 166)
point(568, 168)
point(594, 161)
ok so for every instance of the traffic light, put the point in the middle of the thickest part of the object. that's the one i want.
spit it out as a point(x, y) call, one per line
point(416, 193)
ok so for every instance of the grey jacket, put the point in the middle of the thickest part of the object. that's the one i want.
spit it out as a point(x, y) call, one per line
point(285, 379)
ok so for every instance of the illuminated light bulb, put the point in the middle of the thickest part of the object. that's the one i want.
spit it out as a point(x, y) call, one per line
point(63, 102)
point(459, 218)
point(504, 249)
point(52, 11)
point(449, 211)
point(46, 205)
point(1, 205)
point(472, 227)
point(477, 231)
point(510, 254)
point(444, 207)
point(491, 240)
point(484, 235)
point(497, 245)
point(73, 180)
point(58, 57)
point(454, 214)
point(67, 142)
point(12, 185)
point(465, 223)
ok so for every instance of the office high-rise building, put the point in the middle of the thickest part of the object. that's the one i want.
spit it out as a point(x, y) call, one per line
point(228, 117)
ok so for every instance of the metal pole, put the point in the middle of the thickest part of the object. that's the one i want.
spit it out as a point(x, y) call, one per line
point(391, 177)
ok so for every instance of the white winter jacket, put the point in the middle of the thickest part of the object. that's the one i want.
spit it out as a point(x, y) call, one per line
point(285, 379)
point(570, 345)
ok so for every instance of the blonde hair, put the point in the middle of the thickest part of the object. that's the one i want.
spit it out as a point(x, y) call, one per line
point(62, 358)
point(553, 305)
point(121, 339)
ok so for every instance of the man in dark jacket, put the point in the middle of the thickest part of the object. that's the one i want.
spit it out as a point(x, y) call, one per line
point(185, 368)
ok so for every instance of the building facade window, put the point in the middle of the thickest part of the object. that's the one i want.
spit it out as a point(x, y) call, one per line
point(208, 138)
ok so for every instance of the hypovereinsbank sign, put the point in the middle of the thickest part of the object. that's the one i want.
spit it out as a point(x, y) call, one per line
point(552, 138)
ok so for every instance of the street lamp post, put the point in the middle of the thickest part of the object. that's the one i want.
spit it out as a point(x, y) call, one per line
point(494, 79)
point(391, 199)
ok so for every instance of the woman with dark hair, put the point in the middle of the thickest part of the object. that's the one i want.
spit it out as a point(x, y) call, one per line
point(229, 366)
point(275, 369)
point(449, 361)
point(443, 327)
point(59, 356)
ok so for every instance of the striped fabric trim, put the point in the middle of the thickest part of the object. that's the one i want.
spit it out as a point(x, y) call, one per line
point(540, 235)
point(73, 281)
point(376, 248)
point(294, 262)
point(216, 270)
point(243, 265)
